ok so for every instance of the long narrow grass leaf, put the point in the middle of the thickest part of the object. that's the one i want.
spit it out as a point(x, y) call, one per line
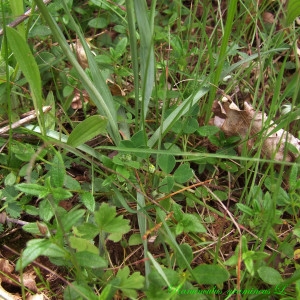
point(142, 221)
point(232, 6)
point(146, 54)
point(30, 70)
point(103, 102)
point(134, 55)
point(180, 111)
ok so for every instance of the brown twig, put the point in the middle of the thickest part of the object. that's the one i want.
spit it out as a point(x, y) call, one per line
point(29, 116)
point(22, 18)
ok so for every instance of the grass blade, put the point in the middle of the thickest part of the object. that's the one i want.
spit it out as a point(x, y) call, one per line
point(30, 70)
point(103, 100)
point(222, 55)
point(146, 54)
point(180, 111)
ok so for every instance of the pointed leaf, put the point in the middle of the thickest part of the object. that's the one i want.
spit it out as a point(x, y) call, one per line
point(90, 260)
point(57, 172)
point(87, 130)
point(106, 220)
point(29, 68)
point(191, 223)
point(32, 189)
point(269, 275)
point(183, 173)
point(34, 249)
point(82, 245)
point(210, 274)
point(88, 200)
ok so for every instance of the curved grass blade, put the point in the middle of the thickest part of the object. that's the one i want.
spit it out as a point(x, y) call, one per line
point(103, 100)
point(30, 70)
point(87, 129)
point(147, 62)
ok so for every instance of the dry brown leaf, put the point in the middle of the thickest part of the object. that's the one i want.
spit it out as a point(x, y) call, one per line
point(80, 54)
point(79, 97)
point(249, 124)
point(7, 276)
point(6, 272)
point(28, 281)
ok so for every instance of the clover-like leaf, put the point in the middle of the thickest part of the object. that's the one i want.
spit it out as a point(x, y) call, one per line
point(107, 221)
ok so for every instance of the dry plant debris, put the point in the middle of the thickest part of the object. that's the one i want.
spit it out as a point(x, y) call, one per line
point(8, 276)
point(249, 124)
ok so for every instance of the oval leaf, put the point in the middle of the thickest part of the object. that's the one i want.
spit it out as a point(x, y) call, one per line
point(210, 274)
point(57, 172)
point(166, 163)
point(87, 130)
point(269, 275)
point(183, 173)
point(90, 260)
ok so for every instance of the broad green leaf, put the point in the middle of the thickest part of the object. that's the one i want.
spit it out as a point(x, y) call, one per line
point(96, 87)
point(246, 209)
point(135, 239)
point(122, 173)
point(10, 179)
point(79, 291)
point(118, 225)
point(34, 228)
point(120, 48)
point(71, 218)
point(90, 260)
point(107, 221)
point(293, 11)
point(191, 223)
point(248, 261)
point(71, 183)
point(87, 130)
point(45, 210)
point(88, 200)
point(33, 250)
point(82, 245)
point(229, 166)
point(60, 193)
point(86, 230)
point(57, 172)
point(108, 292)
point(269, 275)
point(29, 68)
point(190, 126)
point(130, 283)
point(188, 254)
point(105, 215)
point(208, 130)
point(115, 237)
point(183, 173)
point(54, 250)
point(98, 23)
point(210, 274)
point(33, 189)
point(23, 152)
point(166, 162)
